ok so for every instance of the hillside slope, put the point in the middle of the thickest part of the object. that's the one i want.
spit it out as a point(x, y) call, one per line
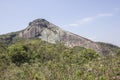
point(46, 31)
point(34, 59)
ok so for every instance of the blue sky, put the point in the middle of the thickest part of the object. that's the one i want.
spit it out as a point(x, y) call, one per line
point(98, 20)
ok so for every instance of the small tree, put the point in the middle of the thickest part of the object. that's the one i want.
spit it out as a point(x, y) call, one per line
point(18, 54)
point(118, 52)
point(89, 54)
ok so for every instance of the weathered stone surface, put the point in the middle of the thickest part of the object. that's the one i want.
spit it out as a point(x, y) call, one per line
point(41, 28)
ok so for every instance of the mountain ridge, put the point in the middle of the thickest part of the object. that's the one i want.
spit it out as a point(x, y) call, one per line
point(47, 31)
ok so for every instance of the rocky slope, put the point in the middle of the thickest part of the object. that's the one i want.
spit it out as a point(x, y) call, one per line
point(41, 28)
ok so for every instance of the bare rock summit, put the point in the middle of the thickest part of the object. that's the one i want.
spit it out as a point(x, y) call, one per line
point(41, 28)
point(46, 31)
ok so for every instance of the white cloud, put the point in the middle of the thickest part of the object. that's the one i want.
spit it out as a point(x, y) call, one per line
point(73, 25)
point(87, 20)
point(116, 9)
point(104, 14)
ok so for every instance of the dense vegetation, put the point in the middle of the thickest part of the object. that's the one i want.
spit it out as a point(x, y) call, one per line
point(39, 60)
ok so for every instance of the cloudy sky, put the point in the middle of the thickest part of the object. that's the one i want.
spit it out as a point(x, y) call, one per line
point(98, 20)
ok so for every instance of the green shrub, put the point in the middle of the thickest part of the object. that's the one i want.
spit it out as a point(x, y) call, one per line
point(18, 54)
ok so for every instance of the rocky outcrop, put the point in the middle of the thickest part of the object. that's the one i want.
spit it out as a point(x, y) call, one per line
point(41, 28)
point(44, 30)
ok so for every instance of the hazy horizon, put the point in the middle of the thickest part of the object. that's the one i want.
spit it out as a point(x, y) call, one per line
point(95, 20)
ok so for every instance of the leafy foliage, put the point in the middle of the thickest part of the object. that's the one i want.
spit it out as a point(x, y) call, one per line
point(18, 54)
point(34, 59)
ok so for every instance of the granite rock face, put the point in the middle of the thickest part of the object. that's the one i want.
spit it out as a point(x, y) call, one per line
point(41, 28)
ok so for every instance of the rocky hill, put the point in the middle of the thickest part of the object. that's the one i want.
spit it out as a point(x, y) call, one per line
point(41, 28)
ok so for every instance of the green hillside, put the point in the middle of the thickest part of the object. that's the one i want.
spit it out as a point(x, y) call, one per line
point(34, 59)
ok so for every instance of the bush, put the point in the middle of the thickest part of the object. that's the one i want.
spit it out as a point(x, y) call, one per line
point(18, 54)
point(89, 54)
